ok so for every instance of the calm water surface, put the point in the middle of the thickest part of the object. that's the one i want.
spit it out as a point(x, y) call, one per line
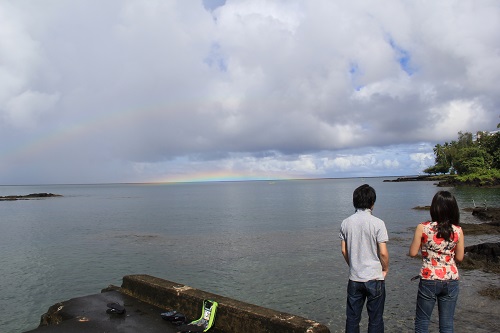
point(274, 244)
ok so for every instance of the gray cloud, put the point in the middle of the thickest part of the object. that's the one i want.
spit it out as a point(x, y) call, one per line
point(137, 91)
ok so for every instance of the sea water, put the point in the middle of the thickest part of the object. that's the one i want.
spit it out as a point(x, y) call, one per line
point(270, 243)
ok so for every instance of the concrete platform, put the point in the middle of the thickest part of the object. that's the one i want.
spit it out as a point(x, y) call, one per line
point(146, 297)
point(88, 314)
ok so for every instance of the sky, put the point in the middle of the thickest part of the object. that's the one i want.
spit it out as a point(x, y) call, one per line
point(132, 91)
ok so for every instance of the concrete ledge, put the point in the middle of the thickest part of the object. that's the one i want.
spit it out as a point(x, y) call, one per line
point(87, 314)
point(232, 315)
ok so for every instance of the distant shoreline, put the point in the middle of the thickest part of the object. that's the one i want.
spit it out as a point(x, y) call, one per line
point(447, 181)
point(421, 178)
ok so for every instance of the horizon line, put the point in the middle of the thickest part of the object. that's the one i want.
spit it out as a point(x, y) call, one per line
point(210, 181)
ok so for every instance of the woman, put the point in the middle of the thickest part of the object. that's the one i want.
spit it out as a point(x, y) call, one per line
point(441, 242)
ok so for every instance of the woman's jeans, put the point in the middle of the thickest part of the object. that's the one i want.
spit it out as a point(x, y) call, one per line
point(374, 293)
point(446, 294)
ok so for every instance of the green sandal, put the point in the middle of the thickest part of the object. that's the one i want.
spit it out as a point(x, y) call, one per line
point(206, 320)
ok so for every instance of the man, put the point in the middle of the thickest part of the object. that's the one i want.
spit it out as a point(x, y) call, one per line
point(363, 240)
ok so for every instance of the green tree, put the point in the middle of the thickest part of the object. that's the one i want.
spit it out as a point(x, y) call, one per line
point(491, 144)
point(442, 161)
point(465, 140)
point(468, 154)
point(472, 160)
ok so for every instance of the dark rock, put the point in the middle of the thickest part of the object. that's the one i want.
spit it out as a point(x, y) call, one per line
point(422, 207)
point(29, 196)
point(453, 182)
point(450, 181)
point(487, 214)
point(416, 179)
point(487, 228)
point(486, 251)
point(491, 214)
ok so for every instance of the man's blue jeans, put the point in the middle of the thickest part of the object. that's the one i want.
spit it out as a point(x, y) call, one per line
point(374, 293)
point(446, 295)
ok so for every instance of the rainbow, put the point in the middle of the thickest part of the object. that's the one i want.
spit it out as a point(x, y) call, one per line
point(62, 135)
point(55, 137)
point(221, 176)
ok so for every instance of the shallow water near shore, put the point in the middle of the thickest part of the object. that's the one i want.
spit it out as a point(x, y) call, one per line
point(273, 244)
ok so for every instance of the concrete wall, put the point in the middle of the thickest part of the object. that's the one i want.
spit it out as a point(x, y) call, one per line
point(232, 315)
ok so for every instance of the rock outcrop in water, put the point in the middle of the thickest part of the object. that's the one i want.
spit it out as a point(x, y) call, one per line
point(485, 251)
point(29, 196)
point(485, 256)
point(448, 181)
point(492, 226)
point(417, 179)
point(487, 214)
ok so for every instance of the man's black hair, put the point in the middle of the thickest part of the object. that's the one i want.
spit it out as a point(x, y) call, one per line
point(364, 197)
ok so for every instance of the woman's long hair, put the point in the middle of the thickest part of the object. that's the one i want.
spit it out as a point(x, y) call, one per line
point(444, 211)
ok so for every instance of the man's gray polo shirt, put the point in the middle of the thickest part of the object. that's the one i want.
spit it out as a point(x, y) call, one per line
point(362, 232)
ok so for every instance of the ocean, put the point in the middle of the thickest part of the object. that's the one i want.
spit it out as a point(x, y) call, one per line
point(270, 243)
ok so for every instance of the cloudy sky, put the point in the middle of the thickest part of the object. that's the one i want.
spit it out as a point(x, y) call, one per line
point(140, 91)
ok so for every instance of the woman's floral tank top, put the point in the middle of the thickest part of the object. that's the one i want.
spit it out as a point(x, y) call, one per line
point(438, 255)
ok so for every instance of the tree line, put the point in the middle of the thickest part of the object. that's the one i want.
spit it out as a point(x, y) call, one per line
point(469, 157)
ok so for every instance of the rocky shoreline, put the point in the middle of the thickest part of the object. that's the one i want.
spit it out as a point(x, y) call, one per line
point(448, 181)
point(420, 178)
point(485, 256)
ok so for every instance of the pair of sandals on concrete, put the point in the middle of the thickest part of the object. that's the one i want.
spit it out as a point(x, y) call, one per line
point(203, 324)
point(115, 308)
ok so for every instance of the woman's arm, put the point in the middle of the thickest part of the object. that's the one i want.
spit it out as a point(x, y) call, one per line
point(417, 239)
point(460, 250)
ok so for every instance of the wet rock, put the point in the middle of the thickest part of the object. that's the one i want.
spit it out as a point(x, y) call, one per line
point(417, 179)
point(488, 228)
point(422, 207)
point(487, 214)
point(492, 215)
point(482, 256)
point(487, 251)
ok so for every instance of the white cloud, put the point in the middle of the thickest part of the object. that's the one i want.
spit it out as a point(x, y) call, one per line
point(23, 110)
point(456, 114)
point(424, 160)
point(20, 61)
